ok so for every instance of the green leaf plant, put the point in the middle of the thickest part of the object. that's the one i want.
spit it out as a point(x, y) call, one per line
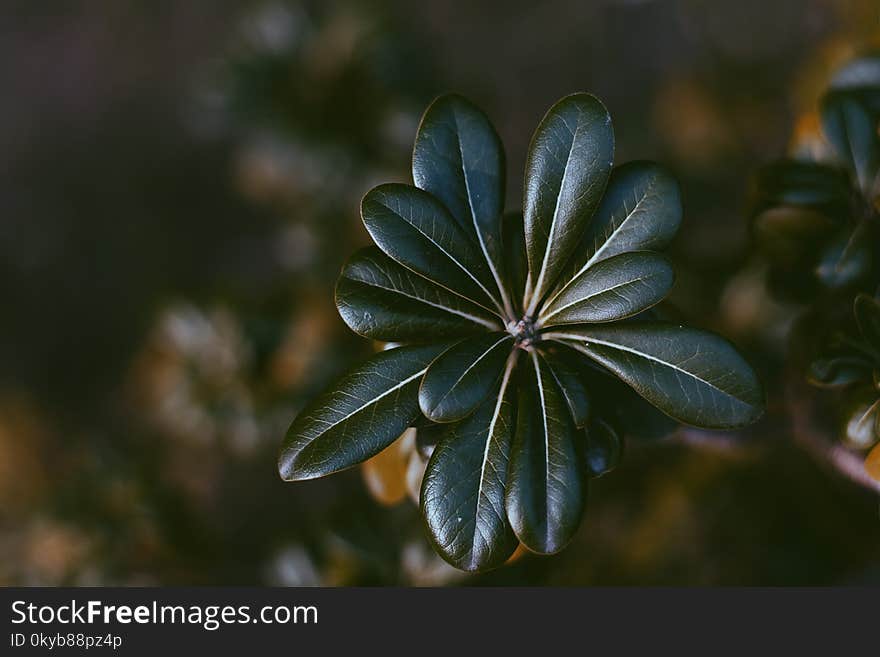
point(816, 217)
point(514, 334)
point(815, 212)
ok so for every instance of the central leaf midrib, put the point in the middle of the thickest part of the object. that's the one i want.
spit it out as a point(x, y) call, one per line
point(539, 283)
point(611, 345)
point(629, 215)
point(544, 499)
point(393, 290)
point(365, 404)
point(594, 258)
point(511, 360)
point(439, 246)
point(467, 186)
point(606, 290)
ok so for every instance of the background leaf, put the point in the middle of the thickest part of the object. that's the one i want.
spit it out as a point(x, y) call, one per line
point(383, 300)
point(820, 186)
point(791, 235)
point(839, 371)
point(694, 376)
point(568, 165)
point(604, 448)
point(851, 127)
point(464, 484)
point(461, 378)
point(847, 259)
point(862, 73)
point(612, 289)
point(867, 312)
point(547, 487)
point(359, 416)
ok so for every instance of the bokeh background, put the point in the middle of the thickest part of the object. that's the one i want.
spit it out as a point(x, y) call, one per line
point(179, 187)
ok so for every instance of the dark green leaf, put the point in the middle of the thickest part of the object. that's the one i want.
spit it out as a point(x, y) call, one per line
point(459, 159)
point(604, 448)
point(816, 185)
point(612, 289)
point(417, 231)
point(421, 422)
point(694, 376)
point(460, 379)
point(622, 406)
point(563, 364)
point(867, 311)
point(851, 126)
point(358, 417)
point(839, 371)
point(383, 300)
point(847, 259)
point(429, 435)
point(464, 484)
point(639, 419)
point(792, 235)
point(640, 211)
point(547, 486)
point(516, 264)
point(568, 165)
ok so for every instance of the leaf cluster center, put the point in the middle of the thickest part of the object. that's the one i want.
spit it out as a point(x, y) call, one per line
point(524, 332)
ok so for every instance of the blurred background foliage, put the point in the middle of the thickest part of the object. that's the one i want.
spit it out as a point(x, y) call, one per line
point(180, 186)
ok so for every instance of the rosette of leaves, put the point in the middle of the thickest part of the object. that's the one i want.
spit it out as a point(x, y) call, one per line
point(509, 325)
point(815, 214)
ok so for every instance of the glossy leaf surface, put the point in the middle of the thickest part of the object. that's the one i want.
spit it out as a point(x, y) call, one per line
point(547, 486)
point(694, 376)
point(461, 378)
point(640, 211)
point(363, 413)
point(458, 157)
point(464, 485)
point(383, 300)
point(562, 362)
point(568, 165)
point(546, 348)
point(612, 289)
point(416, 230)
